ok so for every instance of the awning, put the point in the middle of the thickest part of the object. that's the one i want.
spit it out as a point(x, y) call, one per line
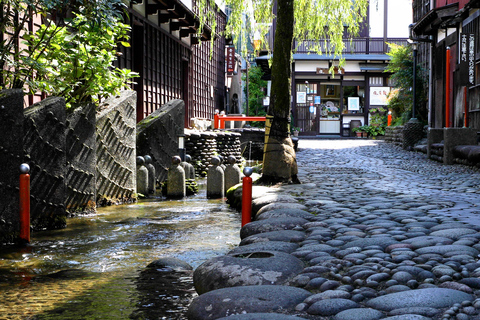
point(262, 61)
point(179, 17)
point(376, 67)
point(435, 19)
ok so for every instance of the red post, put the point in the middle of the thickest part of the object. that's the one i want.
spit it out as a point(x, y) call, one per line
point(24, 203)
point(389, 118)
point(447, 89)
point(216, 121)
point(247, 197)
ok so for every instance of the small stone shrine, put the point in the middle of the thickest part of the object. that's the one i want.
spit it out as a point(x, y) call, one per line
point(176, 179)
point(215, 180)
point(233, 173)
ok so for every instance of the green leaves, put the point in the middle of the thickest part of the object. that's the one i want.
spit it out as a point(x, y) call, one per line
point(76, 63)
point(68, 57)
point(400, 100)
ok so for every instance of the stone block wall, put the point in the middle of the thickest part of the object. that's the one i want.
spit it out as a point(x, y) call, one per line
point(455, 137)
point(157, 136)
point(394, 135)
point(44, 146)
point(252, 141)
point(228, 144)
point(201, 146)
point(81, 160)
point(115, 150)
point(11, 157)
point(62, 151)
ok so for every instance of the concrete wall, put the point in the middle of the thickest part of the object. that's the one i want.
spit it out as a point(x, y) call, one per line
point(115, 150)
point(81, 160)
point(45, 152)
point(157, 136)
point(11, 156)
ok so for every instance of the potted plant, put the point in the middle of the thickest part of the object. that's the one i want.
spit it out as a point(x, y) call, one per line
point(295, 131)
point(359, 131)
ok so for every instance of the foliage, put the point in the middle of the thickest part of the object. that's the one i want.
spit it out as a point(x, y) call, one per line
point(400, 99)
point(378, 116)
point(360, 129)
point(311, 17)
point(26, 62)
point(255, 94)
point(77, 62)
point(324, 22)
point(372, 131)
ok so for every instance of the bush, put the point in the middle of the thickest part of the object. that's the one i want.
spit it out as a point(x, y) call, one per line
point(77, 62)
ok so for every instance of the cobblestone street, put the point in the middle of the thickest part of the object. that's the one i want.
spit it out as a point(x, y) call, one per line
point(369, 170)
point(370, 189)
point(377, 233)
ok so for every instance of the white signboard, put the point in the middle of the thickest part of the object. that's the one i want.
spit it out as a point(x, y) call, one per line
point(301, 97)
point(378, 96)
point(353, 103)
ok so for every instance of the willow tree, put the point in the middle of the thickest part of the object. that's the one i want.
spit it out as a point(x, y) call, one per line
point(326, 22)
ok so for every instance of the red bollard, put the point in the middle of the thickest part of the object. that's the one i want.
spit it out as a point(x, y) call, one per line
point(247, 196)
point(24, 203)
point(389, 118)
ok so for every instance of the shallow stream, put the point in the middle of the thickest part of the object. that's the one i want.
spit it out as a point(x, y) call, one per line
point(95, 268)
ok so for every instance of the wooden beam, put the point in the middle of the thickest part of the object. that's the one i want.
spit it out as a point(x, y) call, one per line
point(185, 32)
point(193, 39)
point(174, 25)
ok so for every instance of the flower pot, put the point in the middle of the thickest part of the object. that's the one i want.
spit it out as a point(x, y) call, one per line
point(359, 134)
point(364, 134)
point(295, 133)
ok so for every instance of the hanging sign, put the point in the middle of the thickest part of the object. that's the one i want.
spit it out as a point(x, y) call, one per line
point(378, 96)
point(301, 97)
point(467, 58)
point(230, 60)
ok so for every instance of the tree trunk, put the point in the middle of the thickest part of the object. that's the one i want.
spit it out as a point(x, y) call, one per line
point(279, 161)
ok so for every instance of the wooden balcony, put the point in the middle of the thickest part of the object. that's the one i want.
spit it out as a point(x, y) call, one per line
point(356, 46)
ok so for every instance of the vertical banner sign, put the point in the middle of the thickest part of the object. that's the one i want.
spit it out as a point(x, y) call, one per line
point(467, 58)
point(230, 60)
point(471, 59)
point(464, 58)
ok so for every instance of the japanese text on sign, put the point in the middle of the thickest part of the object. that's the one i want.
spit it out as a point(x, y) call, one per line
point(378, 96)
point(467, 58)
point(471, 60)
point(230, 60)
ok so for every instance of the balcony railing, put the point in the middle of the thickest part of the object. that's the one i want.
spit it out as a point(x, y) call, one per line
point(356, 46)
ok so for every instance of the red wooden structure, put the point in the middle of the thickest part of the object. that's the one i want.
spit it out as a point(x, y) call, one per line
point(219, 120)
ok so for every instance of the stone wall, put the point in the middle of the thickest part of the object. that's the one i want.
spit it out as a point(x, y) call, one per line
point(44, 146)
point(252, 141)
point(228, 144)
point(394, 135)
point(115, 150)
point(81, 159)
point(11, 156)
point(442, 142)
point(62, 152)
point(202, 146)
point(157, 136)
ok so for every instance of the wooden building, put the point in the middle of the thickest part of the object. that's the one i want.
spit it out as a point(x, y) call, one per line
point(448, 33)
point(173, 60)
point(323, 104)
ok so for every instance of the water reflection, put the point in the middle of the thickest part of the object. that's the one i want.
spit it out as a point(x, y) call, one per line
point(105, 257)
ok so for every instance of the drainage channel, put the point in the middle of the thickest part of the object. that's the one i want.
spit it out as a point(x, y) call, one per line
point(96, 267)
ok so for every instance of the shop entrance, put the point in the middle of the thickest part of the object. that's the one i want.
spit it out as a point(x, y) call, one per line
point(323, 107)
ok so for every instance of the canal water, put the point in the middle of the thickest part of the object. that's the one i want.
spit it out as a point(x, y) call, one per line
point(96, 267)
